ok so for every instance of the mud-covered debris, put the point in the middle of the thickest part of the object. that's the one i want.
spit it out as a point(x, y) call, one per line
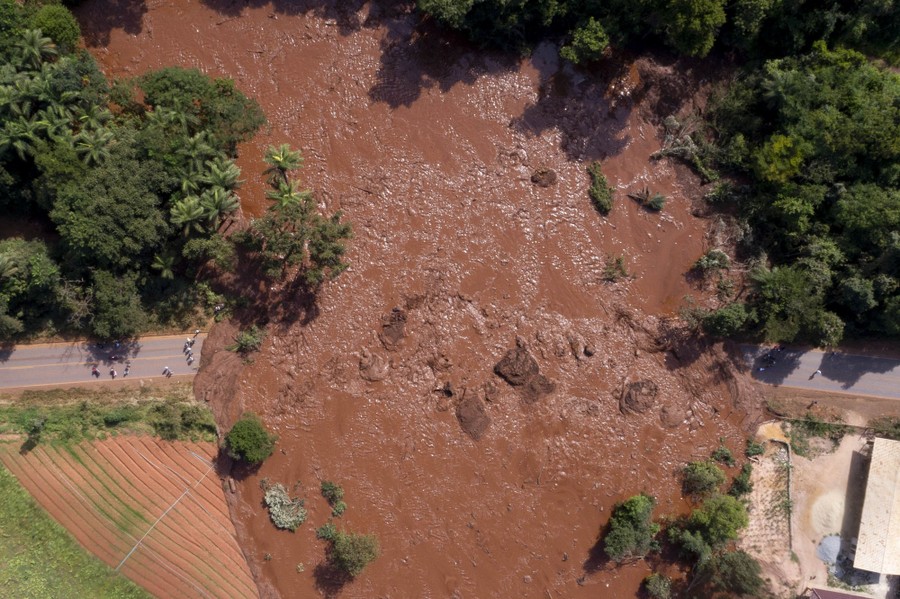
point(440, 363)
point(589, 350)
point(537, 387)
point(638, 397)
point(490, 391)
point(672, 416)
point(447, 390)
point(544, 177)
point(517, 367)
point(373, 367)
point(576, 344)
point(393, 329)
point(472, 415)
point(521, 370)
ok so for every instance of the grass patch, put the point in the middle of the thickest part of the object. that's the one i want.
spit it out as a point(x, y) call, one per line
point(38, 558)
point(886, 427)
point(804, 429)
point(614, 269)
point(74, 415)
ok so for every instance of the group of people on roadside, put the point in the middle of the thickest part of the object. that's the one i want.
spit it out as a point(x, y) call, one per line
point(187, 350)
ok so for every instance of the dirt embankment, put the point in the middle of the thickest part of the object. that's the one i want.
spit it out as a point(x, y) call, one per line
point(459, 257)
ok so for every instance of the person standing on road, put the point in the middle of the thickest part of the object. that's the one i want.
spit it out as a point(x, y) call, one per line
point(167, 371)
point(112, 373)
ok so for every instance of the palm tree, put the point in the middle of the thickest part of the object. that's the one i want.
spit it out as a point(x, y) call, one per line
point(93, 116)
point(34, 47)
point(188, 213)
point(196, 151)
point(165, 264)
point(8, 267)
point(20, 135)
point(93, 146)
point(218, 202)
point(222, 172)
point(281, 160)
point(287, 194)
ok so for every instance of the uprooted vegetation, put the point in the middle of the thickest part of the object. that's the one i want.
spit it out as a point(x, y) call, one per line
point(286, 512)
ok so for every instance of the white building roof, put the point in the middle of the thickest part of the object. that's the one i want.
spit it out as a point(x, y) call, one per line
point(878, 549)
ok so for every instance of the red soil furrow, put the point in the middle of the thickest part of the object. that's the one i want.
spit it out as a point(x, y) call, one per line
point(133, 480)
point(75, 513)
point(188, 553)
point(109, 499)
point(169, 533)
point(185, 516)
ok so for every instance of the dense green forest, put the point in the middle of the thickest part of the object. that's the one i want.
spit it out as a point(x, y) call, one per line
point(762, 28)
point(807, 138)
point(133, 196)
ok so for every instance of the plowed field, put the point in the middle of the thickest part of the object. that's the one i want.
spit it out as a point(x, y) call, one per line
point(154, 509)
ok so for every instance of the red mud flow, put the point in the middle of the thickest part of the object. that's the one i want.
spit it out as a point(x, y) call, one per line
point(429, 149)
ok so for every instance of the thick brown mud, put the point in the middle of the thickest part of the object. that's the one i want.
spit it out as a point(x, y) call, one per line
point(429, 149)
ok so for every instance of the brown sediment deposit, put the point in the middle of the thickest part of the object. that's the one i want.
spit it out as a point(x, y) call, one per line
point(429, 147)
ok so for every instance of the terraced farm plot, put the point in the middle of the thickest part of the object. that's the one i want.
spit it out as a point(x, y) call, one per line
point(153, 509)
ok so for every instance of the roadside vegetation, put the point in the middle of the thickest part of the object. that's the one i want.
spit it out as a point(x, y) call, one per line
point(83, 414)
point(249, 441)
point(38, 558)
point(801, 430)
point(134, 187)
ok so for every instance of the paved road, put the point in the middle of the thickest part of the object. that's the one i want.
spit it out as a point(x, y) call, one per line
point(842, 372)
point(58, 364)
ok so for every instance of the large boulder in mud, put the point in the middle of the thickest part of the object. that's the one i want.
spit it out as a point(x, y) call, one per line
point(638, 397)
point(472, 415)
point(393, 329)
point(517, 367)
point(373, 367)
point(521, 370)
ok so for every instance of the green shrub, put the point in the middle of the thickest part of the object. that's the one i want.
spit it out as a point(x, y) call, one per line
point(285, 513)
point(656, 202)
point(712, 260)
point(737, 574)
point(247, 340)
point(600, 191)
point(614, 269)
point(726, 321)
point(632, 532)
point(327, 532)
point(754, 448)
point(332, 492)
point(352, 552)
point(741, 484)
point(658, 586)
point(57, 23)
point(702, 478)
point(719, 519)
point(339, 508)
point(723, 456)
point(589, 42)
point(121, 415)
point(248, 440)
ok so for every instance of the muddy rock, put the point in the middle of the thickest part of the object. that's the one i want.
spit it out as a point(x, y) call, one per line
point(517, 367)
point(537, 387)
point(472, 415)
point(576, 344)
point(672, 416)
point(373, 367)
point(638, 397)
point(544, 177)
point(393, 329)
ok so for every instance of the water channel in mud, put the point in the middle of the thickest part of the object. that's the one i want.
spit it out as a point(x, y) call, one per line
point(428, 147)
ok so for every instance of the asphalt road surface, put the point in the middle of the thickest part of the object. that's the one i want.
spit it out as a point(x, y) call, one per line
point(59, 364)
point(841, 372)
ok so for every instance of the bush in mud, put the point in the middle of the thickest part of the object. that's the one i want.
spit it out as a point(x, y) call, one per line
point(285, 513)
point(702, 478)
point(352, 552)
point(600, 191)
point(658, 586)
point(632, 532)
point(248, 440)
point(741, 484)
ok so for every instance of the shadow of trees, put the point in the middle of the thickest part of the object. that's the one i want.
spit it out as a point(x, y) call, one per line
point(99, 18)
point(329, 580)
